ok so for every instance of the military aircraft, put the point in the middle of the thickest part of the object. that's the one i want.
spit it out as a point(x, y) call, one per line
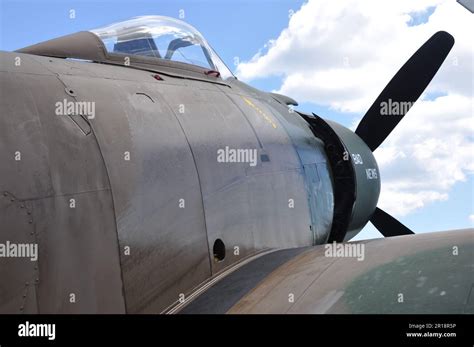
point(140, 176)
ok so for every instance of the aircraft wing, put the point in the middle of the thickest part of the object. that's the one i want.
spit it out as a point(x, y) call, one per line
point(422, 273)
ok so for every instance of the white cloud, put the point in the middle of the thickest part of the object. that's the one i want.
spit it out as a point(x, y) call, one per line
point(341, 54)
point(471, 218)
point(426, 154)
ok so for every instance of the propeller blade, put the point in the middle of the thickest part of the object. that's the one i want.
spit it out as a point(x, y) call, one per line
point(404, 89)
point(387, 225)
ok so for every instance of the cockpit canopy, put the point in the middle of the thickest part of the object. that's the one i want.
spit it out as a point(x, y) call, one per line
point(162, 38)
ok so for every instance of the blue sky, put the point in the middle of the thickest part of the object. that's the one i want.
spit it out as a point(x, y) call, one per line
point(235, 29)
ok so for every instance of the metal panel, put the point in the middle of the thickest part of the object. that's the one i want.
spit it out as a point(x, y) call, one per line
point(321, 200)
point(77, 240)
point(211, 122)
point(21, 135)
point(78, 254)
point(163, 247)
point(18, 274)
point(245, 206)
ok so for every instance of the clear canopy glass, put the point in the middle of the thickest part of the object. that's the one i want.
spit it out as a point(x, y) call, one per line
point(162, 38)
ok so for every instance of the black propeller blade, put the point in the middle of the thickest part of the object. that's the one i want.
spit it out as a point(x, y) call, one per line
point(387, 225)
point(405, 87)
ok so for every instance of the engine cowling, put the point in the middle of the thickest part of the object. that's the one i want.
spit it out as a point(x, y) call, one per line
point(355, 174)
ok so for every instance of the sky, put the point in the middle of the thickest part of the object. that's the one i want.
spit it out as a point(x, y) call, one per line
point(334, 58)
